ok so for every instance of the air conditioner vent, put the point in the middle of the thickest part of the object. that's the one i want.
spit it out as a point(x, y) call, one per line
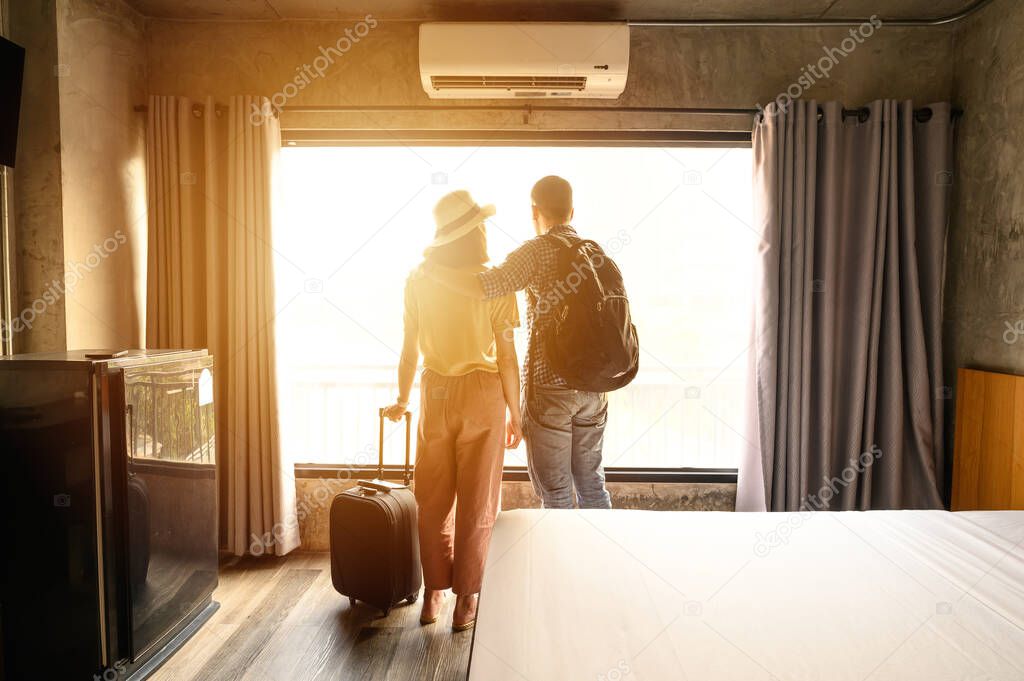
point(509, 82)
point(553, 60)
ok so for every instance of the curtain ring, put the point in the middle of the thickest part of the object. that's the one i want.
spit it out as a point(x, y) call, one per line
point(862, 114)
point(197, 110)
point(923, 115)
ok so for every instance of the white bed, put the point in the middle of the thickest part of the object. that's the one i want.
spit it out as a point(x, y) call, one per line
point(641, 595)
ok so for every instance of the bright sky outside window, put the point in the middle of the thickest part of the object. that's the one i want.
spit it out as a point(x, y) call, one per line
point(353, 221)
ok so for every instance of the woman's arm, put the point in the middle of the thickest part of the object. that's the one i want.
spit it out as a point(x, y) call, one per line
point(406, 371)
point(508, 369)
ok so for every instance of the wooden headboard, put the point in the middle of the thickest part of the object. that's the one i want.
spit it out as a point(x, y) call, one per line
point(988, 455)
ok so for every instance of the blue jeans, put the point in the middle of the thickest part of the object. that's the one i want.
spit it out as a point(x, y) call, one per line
point(564, 431)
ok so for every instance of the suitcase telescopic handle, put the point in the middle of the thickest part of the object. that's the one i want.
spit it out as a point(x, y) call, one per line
point(408, 446)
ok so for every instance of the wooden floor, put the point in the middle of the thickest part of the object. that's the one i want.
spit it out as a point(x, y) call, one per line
point(281, 620)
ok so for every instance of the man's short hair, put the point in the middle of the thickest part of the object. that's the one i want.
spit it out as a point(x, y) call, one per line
point(553, 197)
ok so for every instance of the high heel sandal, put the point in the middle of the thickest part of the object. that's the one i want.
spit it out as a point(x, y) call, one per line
point(431, 620)
point(464, 626)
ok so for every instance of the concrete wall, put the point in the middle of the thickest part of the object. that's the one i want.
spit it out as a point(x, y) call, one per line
point(79, 185)
point(37, 208)
point(985, 281)
point(984, 295)
point(668, 67)
point(102, 70)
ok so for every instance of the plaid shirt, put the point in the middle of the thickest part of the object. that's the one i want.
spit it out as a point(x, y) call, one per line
point(532, 266)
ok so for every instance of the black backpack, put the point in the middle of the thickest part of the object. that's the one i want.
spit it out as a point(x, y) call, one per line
point(593, 344)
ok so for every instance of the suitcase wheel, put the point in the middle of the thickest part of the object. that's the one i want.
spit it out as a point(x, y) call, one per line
point(387, 611)
point(351, 602)
point(412, 599)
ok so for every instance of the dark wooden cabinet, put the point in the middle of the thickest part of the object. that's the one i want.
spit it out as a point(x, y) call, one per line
point(110, 516)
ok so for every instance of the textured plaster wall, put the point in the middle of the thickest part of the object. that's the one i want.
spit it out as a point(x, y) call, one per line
point(985, 266)
point(79, 184)
point(36, 184)
point(102, 71)
point(668, 67)
point(984, 304)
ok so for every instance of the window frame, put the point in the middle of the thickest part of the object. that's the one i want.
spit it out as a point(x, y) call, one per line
point(515, 138)
point(519, 473)
point(543, 138)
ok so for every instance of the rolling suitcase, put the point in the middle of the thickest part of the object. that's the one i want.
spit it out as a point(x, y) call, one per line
point(374, 544)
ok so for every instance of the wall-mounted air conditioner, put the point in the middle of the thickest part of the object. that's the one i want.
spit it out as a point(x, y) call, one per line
point(514, 60)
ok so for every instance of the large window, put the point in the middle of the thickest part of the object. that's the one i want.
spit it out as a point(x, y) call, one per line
point(354, 220)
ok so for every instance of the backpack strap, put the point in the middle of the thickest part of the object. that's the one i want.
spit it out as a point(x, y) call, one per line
point(567, 243)
point(561, 242)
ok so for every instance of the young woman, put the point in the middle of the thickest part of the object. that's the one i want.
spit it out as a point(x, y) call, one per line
point(470, 378)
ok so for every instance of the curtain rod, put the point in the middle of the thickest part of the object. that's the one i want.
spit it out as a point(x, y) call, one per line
point(414, 108)
point(524, 108)
point(922, 114)
point(809, 23)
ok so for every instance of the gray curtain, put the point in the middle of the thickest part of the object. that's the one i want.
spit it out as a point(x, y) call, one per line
point(847, 355)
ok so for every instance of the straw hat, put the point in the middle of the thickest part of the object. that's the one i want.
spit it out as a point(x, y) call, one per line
point(456, 215)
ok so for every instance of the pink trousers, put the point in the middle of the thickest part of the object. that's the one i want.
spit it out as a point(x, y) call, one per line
point(459, 456)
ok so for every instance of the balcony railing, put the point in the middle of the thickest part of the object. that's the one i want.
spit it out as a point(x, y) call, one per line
point(687, 418)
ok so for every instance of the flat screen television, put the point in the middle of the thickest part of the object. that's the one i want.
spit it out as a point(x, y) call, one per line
point(12, 69)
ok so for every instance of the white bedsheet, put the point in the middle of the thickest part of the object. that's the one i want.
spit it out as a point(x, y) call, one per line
point(640, 595)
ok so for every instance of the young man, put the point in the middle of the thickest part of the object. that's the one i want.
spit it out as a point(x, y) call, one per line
point(563, 428)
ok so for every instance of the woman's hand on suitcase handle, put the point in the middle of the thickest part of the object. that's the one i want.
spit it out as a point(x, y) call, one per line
point(513, 432)
point(396, 411)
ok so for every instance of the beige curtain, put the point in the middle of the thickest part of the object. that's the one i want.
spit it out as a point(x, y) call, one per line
point(211, 284)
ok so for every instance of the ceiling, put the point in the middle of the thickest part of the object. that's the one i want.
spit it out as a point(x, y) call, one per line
point(558, 10)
